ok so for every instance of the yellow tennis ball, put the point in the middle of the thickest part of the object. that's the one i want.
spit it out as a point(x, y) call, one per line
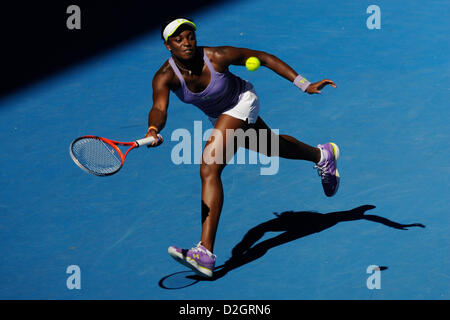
point(252, 63)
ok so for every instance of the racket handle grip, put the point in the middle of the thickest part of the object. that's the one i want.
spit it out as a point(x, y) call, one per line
point(145, 141)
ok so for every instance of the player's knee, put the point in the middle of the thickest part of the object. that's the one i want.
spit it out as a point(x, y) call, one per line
point(208, 171)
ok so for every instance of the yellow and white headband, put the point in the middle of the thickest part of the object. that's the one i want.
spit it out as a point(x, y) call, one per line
point(174, 25)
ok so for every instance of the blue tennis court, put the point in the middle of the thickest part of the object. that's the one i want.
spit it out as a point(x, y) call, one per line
point(279, 237)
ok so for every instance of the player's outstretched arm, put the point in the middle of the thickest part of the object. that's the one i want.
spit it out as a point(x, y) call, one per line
point(158, 113)
point(238, 56)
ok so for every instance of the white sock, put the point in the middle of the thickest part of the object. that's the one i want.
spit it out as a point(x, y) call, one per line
point(323, 155)
point(206, 250)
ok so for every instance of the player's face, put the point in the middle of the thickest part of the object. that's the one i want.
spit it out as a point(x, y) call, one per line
point(183, 45)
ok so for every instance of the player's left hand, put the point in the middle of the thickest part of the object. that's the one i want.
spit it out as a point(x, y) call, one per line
point(317, 86)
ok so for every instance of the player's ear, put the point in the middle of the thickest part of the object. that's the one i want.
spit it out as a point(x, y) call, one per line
point(166, 43)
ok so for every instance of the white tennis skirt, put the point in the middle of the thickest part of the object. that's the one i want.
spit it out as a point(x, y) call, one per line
point(247, 107)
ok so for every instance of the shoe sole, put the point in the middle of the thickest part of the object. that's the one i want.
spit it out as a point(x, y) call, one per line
point(336, 153)
point(190, 263)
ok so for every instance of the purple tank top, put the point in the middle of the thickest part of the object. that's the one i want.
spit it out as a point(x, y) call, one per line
point(221, 94)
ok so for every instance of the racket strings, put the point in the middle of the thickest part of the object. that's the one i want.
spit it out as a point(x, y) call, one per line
point(96, 156)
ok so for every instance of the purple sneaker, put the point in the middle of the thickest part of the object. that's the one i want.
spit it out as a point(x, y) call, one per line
point(327, 169)
point(198, 259)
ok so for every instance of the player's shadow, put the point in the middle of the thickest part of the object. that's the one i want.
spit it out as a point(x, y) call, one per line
point(293, 225)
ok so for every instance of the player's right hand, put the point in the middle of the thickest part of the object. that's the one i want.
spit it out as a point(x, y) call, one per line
point(158, 138)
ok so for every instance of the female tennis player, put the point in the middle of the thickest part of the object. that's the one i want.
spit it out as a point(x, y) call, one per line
point(200, 76)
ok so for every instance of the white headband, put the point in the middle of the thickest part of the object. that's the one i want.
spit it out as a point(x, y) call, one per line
point(174, 25)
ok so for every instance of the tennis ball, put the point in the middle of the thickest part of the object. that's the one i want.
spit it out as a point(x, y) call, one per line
point(252, 63)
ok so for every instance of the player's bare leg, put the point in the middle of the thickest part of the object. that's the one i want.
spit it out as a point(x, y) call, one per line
point(324, 156)
point(210, 173)
point(214, 159)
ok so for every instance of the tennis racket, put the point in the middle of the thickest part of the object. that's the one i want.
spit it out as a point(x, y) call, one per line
point(102, 156)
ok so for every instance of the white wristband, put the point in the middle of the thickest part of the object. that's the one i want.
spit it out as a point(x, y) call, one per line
point(301, 82)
